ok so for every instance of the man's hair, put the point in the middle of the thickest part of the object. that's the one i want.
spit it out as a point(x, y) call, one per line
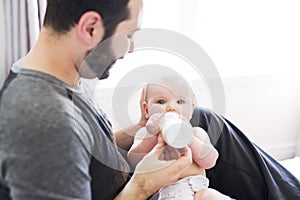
point(62, 15)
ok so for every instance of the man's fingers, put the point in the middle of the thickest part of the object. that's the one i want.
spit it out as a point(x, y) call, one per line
point(183, 163)
point(153, 161)
point(171, 153)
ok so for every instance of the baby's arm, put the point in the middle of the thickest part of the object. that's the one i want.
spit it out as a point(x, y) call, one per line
point(143, 144)
point(204, 154)
point(145, 139)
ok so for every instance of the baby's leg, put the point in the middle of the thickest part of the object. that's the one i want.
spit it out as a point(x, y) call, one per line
point(211, 194)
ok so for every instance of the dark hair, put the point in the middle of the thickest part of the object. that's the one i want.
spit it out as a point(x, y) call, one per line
point(62, 15)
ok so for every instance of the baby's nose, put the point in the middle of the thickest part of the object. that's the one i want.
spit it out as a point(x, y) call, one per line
point(171, 108)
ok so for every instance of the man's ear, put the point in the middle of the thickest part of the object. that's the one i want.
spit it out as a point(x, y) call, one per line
point(146, 111)
point(90, 28)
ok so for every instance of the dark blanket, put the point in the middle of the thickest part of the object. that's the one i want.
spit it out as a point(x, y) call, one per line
point(243, 170)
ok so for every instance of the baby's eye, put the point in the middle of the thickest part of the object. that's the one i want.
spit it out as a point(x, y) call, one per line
point(161, 101)
point(180, 101)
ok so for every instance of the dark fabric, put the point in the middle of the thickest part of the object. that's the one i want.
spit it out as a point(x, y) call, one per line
point(4, 193)
point(103, 175)
point(244, 171)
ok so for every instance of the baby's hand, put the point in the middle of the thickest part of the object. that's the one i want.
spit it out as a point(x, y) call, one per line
point(152, 125)
point(204, 153)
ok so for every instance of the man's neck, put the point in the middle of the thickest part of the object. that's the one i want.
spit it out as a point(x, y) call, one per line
point(53, 55)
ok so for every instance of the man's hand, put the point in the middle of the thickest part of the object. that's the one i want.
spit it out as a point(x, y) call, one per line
point(152, 173)
point(193, 170)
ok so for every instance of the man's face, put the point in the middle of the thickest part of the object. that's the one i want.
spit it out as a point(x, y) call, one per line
point(107, 52)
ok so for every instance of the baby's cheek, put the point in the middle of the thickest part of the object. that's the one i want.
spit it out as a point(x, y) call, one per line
point(187, 112)
point(156, 109)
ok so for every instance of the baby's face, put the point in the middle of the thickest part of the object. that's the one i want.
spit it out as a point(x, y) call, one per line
point(177, 99)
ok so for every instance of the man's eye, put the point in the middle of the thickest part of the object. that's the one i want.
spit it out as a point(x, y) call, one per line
point(161, 102)
point(180, 101)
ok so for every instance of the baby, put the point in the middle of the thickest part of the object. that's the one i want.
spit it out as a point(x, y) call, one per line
point(172, 94)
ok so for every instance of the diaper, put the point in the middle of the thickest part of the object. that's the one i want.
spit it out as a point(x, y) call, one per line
point(183, 189)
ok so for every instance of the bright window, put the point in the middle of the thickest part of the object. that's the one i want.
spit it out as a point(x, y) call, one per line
point(241, 37)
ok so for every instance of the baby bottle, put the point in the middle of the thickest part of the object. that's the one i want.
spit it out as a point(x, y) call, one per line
point(176, 132)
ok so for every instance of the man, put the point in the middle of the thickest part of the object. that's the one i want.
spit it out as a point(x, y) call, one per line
point(55, 144)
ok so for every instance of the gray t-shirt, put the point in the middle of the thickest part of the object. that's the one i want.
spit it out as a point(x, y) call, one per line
point(54, 142)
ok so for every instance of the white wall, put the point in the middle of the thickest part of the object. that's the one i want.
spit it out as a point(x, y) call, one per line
point(242, 37)
point(267, 109)
point(250, 37)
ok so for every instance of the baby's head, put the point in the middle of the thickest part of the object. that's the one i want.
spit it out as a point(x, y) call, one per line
point(169, 94)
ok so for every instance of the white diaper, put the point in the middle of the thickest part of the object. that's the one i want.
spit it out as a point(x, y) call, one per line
point(183, 189)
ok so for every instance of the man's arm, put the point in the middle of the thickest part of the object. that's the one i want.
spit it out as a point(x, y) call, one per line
point(143, 144)
point(125, 136)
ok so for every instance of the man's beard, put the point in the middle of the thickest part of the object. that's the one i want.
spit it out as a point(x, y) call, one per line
point(98, 61)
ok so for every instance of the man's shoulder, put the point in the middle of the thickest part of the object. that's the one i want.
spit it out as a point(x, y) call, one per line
point(30, 100)
point(34, 108)
point(27, 85)
point(26, 92)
